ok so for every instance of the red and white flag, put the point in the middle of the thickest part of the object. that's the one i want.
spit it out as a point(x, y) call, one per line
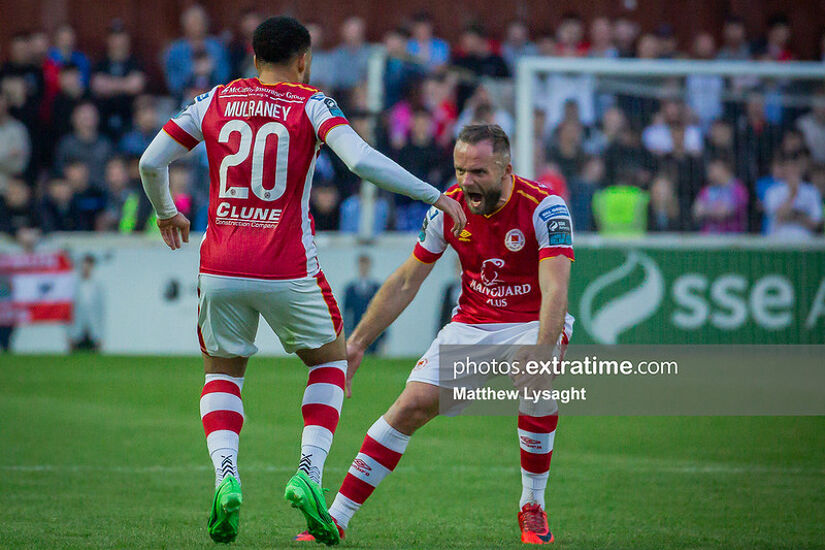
point(36, 288)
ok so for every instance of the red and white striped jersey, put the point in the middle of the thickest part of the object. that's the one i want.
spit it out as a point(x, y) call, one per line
point(500, 252)
point(261, 142)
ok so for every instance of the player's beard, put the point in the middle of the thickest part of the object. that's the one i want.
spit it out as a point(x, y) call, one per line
point(488, 204)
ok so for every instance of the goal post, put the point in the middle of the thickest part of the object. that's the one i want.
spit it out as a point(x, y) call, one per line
point(528, 68)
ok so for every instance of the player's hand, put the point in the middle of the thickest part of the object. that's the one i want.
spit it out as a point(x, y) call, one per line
point(451, 207)
point(174, 230)
point(355, 354)
point(543, 379)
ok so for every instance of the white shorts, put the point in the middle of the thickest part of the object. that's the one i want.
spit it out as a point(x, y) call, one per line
point(303, 313)
point(499, 335)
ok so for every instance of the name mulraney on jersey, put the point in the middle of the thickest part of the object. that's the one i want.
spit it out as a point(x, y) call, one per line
point(251, 108)
point(247, 216)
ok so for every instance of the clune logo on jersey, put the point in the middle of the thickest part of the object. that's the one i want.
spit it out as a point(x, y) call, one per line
point(247, 216)
point(637, 291)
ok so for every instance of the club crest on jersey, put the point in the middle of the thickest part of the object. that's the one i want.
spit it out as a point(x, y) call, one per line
point(514, 240)
point(489, 271)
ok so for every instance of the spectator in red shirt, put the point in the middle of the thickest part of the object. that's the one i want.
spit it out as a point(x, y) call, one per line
point(570, 36)
point(775, 45)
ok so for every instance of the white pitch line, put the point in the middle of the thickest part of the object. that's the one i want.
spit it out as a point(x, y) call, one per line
point(642, 466)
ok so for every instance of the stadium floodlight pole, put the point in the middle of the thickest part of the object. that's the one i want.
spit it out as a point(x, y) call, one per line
point(528, 67)
point(375, 103)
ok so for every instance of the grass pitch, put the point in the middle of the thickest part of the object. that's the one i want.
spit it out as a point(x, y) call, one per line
point(108, 452)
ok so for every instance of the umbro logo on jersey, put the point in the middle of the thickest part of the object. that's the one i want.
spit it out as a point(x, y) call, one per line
point(465, 236)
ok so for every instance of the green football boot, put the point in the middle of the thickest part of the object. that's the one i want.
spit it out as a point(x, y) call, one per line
point(226, 508)
point(308, 497)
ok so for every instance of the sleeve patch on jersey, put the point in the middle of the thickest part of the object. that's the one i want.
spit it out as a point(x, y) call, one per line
point(422, 235)
point(560, 232)
point(202, 97)
point(553, 212)
point(333, 107)
point(183, 110)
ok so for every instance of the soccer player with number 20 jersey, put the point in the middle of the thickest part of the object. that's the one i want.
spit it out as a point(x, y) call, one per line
point(258, 256)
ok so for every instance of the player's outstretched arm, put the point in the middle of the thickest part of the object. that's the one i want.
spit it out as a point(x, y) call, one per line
point(391, 299)
point(154, 174)
point(369, 164)
point(554, 278)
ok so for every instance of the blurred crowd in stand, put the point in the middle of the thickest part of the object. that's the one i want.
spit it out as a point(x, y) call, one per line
point(699, 153)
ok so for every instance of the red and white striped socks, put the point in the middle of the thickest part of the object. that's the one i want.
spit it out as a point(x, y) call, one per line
point(536, 434)
point(321, 408)
point(222, 417)
point(379, 454)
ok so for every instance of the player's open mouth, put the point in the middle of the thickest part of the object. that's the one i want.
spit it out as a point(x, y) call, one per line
point(475, 199)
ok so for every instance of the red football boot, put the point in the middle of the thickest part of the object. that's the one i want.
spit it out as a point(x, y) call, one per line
point(533, 523)
point(306, 537)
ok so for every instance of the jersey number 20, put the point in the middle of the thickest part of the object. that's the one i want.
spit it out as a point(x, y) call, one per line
point(258, 150)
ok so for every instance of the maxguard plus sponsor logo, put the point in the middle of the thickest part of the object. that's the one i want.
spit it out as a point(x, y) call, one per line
point(492, 287)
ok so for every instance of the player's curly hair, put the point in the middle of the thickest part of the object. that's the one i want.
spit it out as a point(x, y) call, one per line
point(278, 39)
